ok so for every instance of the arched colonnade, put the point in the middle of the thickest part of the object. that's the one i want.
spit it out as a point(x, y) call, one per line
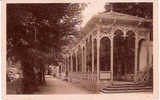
point(103, 55)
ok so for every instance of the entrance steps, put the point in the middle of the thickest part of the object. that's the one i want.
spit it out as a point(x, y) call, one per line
point(126, 88)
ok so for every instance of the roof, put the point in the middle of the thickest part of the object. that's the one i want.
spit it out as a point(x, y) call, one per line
point(109, 17)
point(116, 15)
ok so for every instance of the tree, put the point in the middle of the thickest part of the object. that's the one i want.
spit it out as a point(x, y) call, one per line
point(35, 36)
point(144, 10)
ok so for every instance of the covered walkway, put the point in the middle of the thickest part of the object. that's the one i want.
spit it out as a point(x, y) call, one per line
point(58, 86)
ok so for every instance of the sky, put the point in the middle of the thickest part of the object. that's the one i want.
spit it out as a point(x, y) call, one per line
point(92, 9)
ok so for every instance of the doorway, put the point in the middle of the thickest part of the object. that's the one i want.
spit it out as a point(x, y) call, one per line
point(124, 52)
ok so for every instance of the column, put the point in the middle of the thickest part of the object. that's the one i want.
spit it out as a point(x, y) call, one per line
point(65, 65)
point(69, 58)
point(85, 58)
point(82, 60)
point(98, 53)
point(112, 51)
point(71, 63)
point(92, 55)
point(136, 59)
point(61, 68)
point(68, 63)
point(76, 61)
point(68, 66)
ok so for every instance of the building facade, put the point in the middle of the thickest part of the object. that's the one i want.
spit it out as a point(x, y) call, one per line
point(115, 47)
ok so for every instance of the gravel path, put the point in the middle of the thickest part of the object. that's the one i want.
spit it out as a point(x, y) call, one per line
point(58, 86)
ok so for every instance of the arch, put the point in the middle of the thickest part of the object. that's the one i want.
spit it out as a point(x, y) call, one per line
point(105, 54)
point(87, 55)
point(130, 52)
point(90, 54)
point(142, 55)
point(146, 60)
point(118, 66)
point(124, 56)
point(95, 55)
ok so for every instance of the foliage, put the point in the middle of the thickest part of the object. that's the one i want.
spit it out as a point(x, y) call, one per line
point(35, 26)
point(144, 10)
point(36, 34)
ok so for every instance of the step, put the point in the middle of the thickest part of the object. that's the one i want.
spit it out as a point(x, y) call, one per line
point(126, 91)
point(128, 88)
point(128, 84)
point(118, 86)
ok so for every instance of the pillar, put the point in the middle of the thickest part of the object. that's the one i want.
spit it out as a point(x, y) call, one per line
point(76, 61)
point(71, 63)
point(136, 59)
point(112, 51)
point(98, 60)
point(85, 58)
point(82, 60)
point(61, 68)
point(92, 55)
point(65, 66)
point(68, 64)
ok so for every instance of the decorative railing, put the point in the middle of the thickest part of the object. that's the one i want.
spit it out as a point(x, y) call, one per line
point(83, 76)
point(86, 79)
point(105, 75)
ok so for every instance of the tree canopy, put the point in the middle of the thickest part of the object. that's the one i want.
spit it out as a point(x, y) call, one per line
point(45, 27)
point(144, 10)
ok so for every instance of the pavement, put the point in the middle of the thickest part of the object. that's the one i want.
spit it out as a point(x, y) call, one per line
point(59, 86)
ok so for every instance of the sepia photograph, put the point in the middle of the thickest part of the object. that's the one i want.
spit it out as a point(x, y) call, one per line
point(79, 48)
point(82, 50)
